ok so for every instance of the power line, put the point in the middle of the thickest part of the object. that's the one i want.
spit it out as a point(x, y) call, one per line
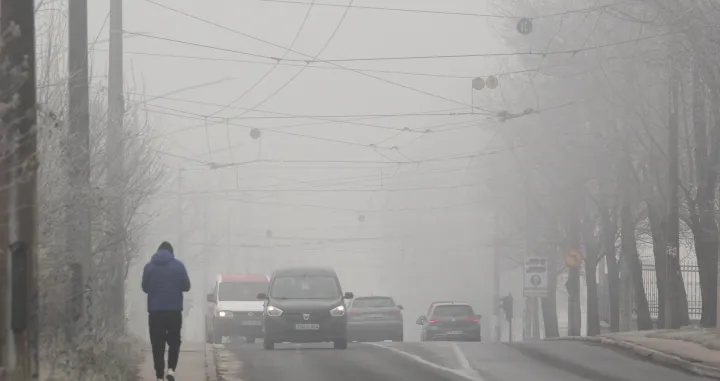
point(449, 13)
point(306, 55)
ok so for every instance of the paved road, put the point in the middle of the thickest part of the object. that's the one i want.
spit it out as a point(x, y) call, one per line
point(319, 362)
point(538, 361)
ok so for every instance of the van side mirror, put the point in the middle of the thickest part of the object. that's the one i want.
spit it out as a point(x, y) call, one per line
point(349, 295)
point(262, 296)
point(211, 298)
point(478, 316)
point(421, 320)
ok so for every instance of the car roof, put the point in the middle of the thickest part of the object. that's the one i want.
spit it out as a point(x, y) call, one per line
point(305, 271)
point(441, 304)
point(373, 297)
point(246, 278)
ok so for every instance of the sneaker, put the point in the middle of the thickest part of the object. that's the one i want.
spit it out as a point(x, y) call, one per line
point(170, 375)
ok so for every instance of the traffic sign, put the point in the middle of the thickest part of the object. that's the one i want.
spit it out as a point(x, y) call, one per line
point(536, 277)
point(573, 258)
point(478, 83)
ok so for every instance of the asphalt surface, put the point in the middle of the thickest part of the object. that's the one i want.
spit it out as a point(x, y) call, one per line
point(412, 361)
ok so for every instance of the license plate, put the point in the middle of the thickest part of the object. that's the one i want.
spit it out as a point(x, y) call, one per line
point(251, 322)
point(307, 327)
point(454, 333)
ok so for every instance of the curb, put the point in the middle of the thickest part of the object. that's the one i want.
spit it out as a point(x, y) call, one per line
point(210, 367)
point(657, 356)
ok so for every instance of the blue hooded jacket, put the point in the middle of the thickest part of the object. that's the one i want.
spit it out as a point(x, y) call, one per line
point(164, 281)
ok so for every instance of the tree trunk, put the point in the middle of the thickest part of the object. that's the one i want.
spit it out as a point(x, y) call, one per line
point(592, 254)
point(703, 225)
point(629, 253)
point(608, 232)
point(657, 230)
point(549, 304)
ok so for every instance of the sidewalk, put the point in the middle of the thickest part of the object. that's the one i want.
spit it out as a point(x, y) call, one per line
point(694, 349)
point(192, 365)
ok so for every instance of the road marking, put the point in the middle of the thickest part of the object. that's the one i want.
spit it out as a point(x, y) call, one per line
point(464, 363)
point(460, 373)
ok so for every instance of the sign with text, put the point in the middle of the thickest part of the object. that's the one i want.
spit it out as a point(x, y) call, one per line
point(535, 279)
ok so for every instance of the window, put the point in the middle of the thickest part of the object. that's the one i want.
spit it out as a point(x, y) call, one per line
point(373, 302)
point(305, 287)
point(453, 310)
point(240, 291)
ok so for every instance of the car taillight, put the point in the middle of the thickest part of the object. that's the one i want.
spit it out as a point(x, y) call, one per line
point(474, 320)
point(432, 321)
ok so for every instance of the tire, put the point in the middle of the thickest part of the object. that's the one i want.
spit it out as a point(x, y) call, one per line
point(216, 338)
point(250, 340)
point(340, 344)
point(268, 345)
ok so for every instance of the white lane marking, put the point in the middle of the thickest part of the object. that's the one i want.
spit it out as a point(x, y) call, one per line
point(464, 363)
point(460, 373)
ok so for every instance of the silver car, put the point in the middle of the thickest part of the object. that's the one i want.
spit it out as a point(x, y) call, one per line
point(374, 318)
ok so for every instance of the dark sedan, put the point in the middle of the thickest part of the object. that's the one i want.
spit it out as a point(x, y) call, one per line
point(453, 321)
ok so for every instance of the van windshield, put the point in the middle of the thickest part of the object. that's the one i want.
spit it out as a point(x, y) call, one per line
point(240, 291)
point(305, 287)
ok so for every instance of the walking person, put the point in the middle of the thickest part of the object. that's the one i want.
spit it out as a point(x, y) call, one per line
point(164, 281)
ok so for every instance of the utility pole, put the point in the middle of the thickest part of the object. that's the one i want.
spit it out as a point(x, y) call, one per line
point(532, 316)
point(20, 132)
point(496, 275)
point(77, 216)
point(180, 244)
point(673, 218)
point(116, 158)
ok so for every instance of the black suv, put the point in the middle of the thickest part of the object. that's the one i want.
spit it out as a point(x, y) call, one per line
point(304, 305)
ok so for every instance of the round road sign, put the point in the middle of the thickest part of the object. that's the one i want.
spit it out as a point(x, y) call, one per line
point(535, 280)
point(478, 83)
point(491, 82)
point(524, 26)
point(254, 133)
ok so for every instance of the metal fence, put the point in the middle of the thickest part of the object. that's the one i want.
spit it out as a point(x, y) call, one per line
point(691, 278)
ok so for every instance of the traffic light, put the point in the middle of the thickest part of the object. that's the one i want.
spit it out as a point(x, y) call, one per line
point(507, 306)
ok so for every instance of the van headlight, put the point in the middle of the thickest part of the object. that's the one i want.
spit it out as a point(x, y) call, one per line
point(337, 311)
point(273, 311)
point(225, 314)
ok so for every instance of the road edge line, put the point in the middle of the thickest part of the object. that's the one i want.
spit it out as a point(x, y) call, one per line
point(462, 359)
point(430, 364)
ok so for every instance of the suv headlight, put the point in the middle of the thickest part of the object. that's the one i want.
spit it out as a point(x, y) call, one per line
point(337, 311)
point(225, 314)
point(273, 311)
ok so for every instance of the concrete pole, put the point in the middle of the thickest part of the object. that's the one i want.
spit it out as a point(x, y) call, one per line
point(116, 159)
point(77, 220)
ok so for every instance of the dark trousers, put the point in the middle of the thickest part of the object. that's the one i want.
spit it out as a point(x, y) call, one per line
point(165, 327)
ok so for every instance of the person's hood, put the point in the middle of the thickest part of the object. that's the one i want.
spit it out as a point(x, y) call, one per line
point(162, 257)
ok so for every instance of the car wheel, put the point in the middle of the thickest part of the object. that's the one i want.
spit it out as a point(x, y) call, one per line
point(340, 344)
point(398, 338)
point(250, 340)
point(268, 345)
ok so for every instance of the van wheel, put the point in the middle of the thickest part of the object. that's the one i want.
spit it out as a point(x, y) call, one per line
point(340, 344)
point(250, 340)
point(217, 338)
point(268, 345)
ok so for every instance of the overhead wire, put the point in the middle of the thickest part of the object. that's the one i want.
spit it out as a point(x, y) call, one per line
point(318, 60)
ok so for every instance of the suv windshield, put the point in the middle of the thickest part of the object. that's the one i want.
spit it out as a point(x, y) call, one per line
point(446, 311)
point(373, 302)
point(240, 291)
point(310, 287)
